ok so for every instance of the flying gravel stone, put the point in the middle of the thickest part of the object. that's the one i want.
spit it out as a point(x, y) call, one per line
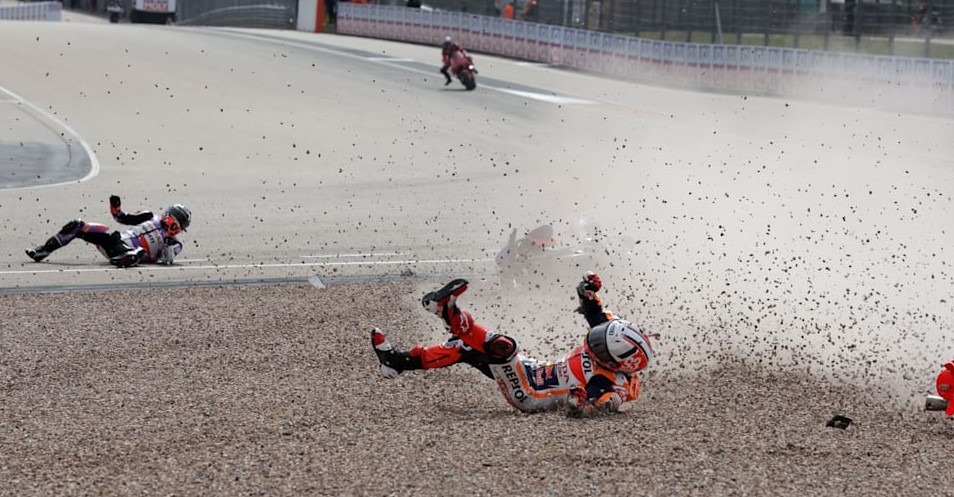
point(838, 421)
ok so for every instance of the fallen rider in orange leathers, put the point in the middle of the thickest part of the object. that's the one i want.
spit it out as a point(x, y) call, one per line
point(598, 376)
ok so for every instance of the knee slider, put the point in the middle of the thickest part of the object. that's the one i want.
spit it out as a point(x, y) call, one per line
point(72, 227)
point(501, 348)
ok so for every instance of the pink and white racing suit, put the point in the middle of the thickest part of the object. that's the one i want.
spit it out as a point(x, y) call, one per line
point(151, 236)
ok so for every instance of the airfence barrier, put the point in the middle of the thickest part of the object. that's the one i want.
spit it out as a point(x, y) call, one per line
point(35, 11)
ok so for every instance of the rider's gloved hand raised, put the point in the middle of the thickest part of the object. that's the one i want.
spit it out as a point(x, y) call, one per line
point(590, 285)
point(114, 204)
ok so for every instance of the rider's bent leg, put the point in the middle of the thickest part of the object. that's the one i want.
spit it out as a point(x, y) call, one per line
point(119, 252)
point(455, 351)
point(393, 361)
point(73, 229)
point(438, 355)
point(443, 303)
point(101, 236)
point(497, 348)
point(444, 71)
point(67, 233)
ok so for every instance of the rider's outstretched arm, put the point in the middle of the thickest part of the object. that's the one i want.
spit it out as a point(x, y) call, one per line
point(123, 217)
point(171, 248)
point(591, 305)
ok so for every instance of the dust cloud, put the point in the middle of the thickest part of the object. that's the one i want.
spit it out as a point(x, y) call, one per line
point(782, 234)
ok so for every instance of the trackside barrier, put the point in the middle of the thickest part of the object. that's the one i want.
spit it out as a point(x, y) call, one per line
point(36, 11)
point(276, 14)
point(925, 85)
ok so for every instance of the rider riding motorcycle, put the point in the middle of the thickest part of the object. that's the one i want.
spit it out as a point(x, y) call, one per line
point(152, 239)
point(448, 48)
point(597, 376)
point(116, 10)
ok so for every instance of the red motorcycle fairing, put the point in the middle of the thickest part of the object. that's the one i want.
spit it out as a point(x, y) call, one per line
point(945, 386)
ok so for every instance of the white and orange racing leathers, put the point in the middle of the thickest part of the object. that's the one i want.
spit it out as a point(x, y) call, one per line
point(575, 382)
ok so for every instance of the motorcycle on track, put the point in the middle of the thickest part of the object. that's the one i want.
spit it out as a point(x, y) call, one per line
point(463, 68)
point(116, 10)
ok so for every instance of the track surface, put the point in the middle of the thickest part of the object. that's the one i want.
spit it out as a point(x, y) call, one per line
point(794, 257)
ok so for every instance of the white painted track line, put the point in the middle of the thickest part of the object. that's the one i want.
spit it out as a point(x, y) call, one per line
point(155, 267)
point(94, 162)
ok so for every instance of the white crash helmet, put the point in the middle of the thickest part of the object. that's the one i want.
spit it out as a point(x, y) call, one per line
point(619, 346)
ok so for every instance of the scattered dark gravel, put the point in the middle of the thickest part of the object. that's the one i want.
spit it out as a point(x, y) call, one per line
point(273, 390)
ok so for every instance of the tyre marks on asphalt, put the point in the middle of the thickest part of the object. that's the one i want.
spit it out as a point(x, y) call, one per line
point(55, 154)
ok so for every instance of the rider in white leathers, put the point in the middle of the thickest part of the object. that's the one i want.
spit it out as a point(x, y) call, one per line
point(151, 239)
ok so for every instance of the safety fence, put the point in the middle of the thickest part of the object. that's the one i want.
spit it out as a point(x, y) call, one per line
point(37, 11)
point(883, 27)
point(865, 17)
point(276, 14)
point(912, 83)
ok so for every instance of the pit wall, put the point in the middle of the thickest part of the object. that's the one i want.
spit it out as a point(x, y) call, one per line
point(36, 11)
point(898, 83)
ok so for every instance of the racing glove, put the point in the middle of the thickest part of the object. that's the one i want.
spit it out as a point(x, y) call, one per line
point(579, 405)
point(114, 205)
point(168, 251)
point(590, 285)
point(587, 289)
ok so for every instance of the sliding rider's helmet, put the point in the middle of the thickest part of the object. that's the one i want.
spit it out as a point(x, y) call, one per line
point(176, 218)
point(619, 346)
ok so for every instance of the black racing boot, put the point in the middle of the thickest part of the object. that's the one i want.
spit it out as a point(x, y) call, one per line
point(392, 361)
point(438, 301)
point(44, 251)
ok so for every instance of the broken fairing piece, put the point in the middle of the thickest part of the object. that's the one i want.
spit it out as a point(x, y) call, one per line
point(316, 282)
